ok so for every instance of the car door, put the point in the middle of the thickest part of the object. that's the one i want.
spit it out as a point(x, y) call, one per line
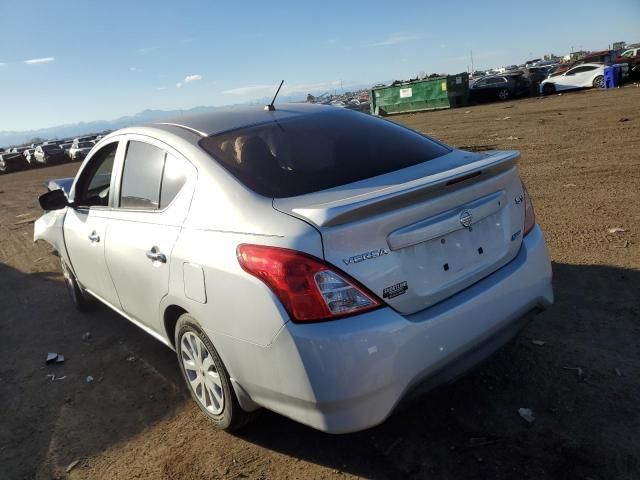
point(478, 90)
point(85, 223)
point(154, 193)
point(572, 78)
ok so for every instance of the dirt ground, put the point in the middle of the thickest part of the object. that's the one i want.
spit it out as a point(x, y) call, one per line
point(581, 164)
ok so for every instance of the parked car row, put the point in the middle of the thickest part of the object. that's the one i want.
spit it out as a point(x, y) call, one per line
point(52, 152)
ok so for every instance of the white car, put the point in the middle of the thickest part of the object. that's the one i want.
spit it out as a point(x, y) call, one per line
point(586, 75)
point(80, 150)
point(312, 260)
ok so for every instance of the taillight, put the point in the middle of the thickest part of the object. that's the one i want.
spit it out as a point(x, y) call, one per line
point(309, 289)
point(529, 214)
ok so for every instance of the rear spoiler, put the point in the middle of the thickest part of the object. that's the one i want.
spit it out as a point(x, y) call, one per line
point(338, 206)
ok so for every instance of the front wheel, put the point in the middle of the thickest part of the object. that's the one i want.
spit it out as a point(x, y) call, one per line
point(548, 89)
point(207, 377)
point(598, 82)
point(79, 298)
point(504, 94)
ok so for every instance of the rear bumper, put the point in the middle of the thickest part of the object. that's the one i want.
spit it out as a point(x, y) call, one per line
point(350, 374)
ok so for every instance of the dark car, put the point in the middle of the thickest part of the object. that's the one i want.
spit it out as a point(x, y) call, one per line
point(12, 162)
point(49, 155)
point(498, 87)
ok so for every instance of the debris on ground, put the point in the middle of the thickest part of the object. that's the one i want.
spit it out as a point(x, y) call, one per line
point(538, 342)
point(53, 357)
point(131, 358)
point(624, 119)
point(526, 414)
point(388, 451)
point(468, 111)
point(86, 335)
point(25, 221)
point(89, 379)
point(616, 230)
point(578, 370)
point(53, 377)
point(505, 118)
point(72, 465)
point(569, 185)
point(618, 372)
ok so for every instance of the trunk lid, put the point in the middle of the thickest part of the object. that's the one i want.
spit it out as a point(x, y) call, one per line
point(421, 234)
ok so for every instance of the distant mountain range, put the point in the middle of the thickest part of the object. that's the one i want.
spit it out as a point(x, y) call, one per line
point(11, 138)
point(8, 138)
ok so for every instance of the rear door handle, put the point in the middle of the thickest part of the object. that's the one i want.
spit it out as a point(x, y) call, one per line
point(155, 255)
point(94, 237)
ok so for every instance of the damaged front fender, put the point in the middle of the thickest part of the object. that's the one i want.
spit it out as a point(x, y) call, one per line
point(49, 228)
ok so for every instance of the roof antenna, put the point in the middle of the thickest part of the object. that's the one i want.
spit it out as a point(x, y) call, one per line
point(270, 107)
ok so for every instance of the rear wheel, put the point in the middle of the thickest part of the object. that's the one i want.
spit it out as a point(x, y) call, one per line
point(504, 94)
point(598, 82)
point(207, 377)
point(79, 297)
point(548, 88)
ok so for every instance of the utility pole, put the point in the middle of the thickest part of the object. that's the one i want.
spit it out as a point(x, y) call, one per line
point(472, 69)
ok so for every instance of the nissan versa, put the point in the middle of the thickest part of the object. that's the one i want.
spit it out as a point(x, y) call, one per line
point(315, 261)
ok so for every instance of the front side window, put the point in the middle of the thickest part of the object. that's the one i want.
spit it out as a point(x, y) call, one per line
point(94, 187)
point(141, 177)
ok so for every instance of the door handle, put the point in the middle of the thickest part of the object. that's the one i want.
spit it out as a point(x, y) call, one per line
point(94, 237)
point(155, 255)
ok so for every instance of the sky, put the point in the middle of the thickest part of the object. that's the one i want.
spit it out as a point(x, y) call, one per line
point(67, 61)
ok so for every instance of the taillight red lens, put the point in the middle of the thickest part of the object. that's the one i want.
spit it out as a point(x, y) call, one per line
point(309, 289)
point(529, 214)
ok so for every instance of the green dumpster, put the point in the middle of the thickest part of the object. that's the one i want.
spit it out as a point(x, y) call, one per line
point(428, 94)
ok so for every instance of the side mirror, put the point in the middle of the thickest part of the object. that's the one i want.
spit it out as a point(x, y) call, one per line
point(53, 200)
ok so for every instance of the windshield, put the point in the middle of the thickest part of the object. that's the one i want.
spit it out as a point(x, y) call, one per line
point(309, 153)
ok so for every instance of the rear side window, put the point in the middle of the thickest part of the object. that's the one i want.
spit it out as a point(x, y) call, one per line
point(173, 178)
point(141, 176)
point(309, 153)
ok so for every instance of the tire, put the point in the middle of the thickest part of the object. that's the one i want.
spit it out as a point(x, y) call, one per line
point(548, 89)
point(80, 299)
point(504, 94)
point(206, 376)
point(598, 82)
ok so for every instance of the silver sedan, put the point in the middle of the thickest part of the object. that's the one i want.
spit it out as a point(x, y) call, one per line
point(315, 261)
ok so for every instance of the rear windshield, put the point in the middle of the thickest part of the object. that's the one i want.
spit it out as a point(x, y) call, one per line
point(314, 152)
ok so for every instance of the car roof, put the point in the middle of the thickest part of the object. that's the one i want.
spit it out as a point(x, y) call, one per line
point(589, 64)
point(212, 123)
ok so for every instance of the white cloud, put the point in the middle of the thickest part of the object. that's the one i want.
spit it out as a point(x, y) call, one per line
point(2, 64)
point(161, 88)
point(189, 79)
point(133, 69)
point(34, 61)
point(396, 38)
point(192, 78)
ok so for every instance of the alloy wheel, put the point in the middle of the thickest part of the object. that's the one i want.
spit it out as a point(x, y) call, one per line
point(202, 375)
point(598, 82)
